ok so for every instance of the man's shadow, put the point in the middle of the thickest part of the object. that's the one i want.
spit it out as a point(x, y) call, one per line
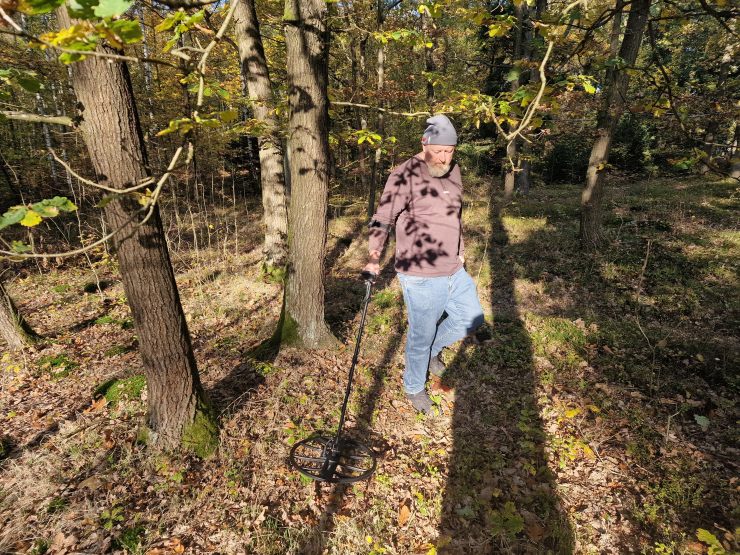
point(500, 495)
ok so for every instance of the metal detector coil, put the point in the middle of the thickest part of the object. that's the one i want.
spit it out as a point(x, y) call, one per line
point(333, 458)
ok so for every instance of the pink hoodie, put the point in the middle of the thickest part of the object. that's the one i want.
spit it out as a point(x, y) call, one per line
point(426, 212)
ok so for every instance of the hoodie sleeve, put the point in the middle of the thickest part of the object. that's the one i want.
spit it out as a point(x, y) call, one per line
point(393, 201)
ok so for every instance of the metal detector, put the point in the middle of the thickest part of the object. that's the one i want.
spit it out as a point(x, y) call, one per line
point(338, 459)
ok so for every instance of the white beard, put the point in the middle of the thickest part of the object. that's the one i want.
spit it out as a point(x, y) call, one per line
point(437, 170)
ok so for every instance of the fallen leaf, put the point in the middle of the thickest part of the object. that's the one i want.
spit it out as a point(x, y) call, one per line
point(96, 405)
point(403, 514)
point(694, 547)
point(174, 545)
point(92, 483)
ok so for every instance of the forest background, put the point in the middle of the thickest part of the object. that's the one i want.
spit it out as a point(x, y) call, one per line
point(185, 187)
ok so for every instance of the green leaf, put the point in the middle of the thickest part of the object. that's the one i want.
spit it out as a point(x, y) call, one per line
point(20, 247)
point(513, 75)
point(29, 82)
point(129, 31)
point(38, 6)
point(106, 199)
point(702, 421)
point(111, 8)
point(45, 211)
point(13, 216)
point(31, 219)
point(170, 20)
point(706, 536)
point(68, 58)
point(63, 203)
point(227, 116)
point(82, 9)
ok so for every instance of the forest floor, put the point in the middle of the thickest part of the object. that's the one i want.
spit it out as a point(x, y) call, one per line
point(596, 414)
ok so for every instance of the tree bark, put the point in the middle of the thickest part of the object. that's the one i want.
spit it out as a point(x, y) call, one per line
point(306, 40)
point(612, 105)
point(427, 28)
point(257, 77)
point(112, 133)
point(513, 163)
point(377, 163)
point(13, 327)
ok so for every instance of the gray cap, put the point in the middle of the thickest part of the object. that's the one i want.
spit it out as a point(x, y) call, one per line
point(440, 131)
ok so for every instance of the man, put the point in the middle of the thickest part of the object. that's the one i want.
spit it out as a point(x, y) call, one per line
point(423, 200)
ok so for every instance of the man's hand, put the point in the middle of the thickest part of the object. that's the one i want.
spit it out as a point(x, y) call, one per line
point(373, 264)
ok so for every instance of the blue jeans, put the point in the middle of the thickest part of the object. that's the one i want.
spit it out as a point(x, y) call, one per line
point(427, 299)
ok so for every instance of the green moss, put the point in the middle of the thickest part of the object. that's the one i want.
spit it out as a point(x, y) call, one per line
point(273, 274)
point(387, 298)
point(142, 435)
point(117, 350)
point(115, 390)
point(57, 366)
point(288, 330)
point(130, 539)
point(201, 436)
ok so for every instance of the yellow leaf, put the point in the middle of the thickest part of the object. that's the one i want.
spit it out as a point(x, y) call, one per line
point(588, 452)
point(145, 197)
point(369, 540)
point(31, 219)
point(572, 413)
point(594, 409)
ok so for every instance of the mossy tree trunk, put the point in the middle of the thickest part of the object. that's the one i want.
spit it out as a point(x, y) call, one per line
point(13, 327)
point(306, 39)
point(612, 106)
point(257, 78)
point(112, 133)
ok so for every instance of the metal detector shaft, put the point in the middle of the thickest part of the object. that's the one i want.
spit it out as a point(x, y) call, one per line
point(368, 287)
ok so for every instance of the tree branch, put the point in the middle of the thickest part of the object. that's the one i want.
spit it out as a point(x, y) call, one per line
point(149, 207)
point(383, 110)
point(37, 118)
point(185, 4)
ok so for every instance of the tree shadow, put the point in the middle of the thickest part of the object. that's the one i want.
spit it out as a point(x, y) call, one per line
point(641, 360)
point(500, 496)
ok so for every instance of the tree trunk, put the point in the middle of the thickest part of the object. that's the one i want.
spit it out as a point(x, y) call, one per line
point(510, 169)
point(306, 40)
point(708, 147)
point(615, 90)
point(427, 28)
point(257, 77)
point(13, 328)
point(110, 127)
point(734, 158)
point(377, 165)
point(512, 164)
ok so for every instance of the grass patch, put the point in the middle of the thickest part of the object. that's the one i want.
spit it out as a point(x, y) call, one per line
point(126, 323)
point(130, 539)
point(57, 366)
point(118, 350)
point(117, 389)
point(387, 298)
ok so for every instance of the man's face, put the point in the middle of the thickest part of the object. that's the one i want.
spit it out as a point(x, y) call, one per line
point(438, 159)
